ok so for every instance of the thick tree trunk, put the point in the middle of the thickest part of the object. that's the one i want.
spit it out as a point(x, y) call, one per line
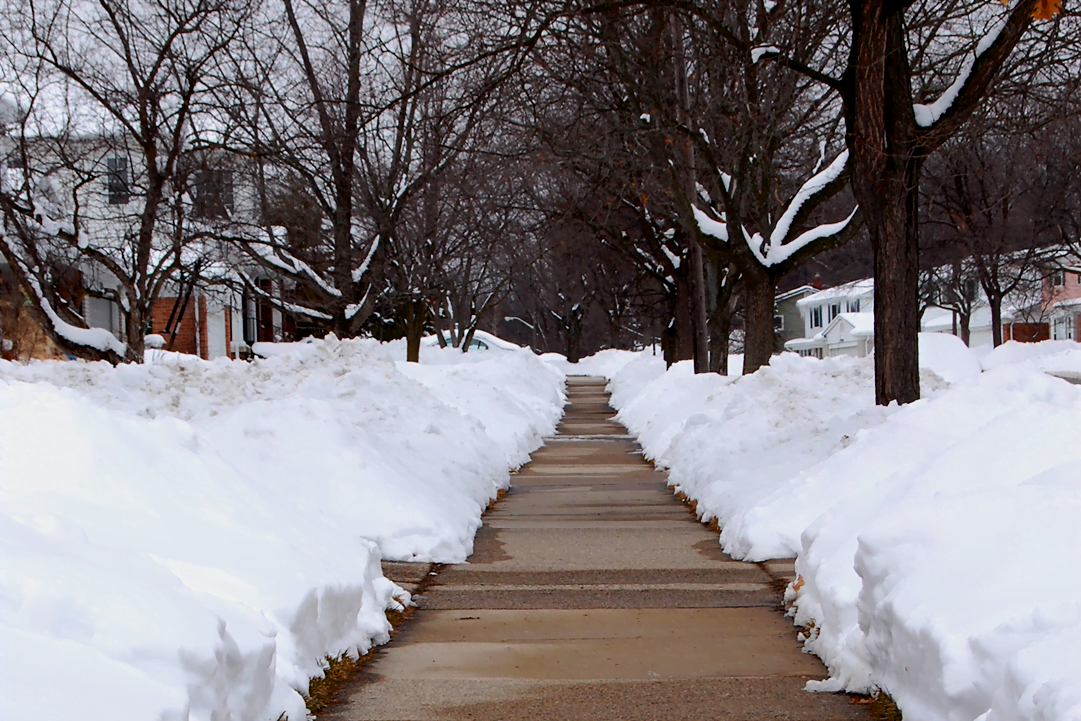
point(759, 290)
point(966, 328)
point(881, 131)
point(895, 244)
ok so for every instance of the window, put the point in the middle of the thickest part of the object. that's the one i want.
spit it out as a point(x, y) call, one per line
point(212, 196)
point(1062, 328)
point(778, 323)
point(835, 310)
point(1058, 278)
point(854, 306)
point(117, 181)
point(816, 317)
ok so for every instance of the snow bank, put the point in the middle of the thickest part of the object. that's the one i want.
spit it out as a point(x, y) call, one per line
point(603, 363)
point(189, 539)
point(935, 541)
point(731, 443)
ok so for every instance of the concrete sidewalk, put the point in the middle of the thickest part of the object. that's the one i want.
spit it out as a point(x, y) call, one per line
point(593, 594)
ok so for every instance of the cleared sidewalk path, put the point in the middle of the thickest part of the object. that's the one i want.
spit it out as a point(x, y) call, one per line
point(594, 594)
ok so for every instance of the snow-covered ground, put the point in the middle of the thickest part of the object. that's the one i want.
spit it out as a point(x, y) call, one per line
point(937, 543)
point(188, 539)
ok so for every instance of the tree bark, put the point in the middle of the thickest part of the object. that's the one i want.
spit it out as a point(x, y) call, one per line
point(416, 312)
point(700, 316)
point(880, 134)
point(995, 301)
point(720, 327)
point(683, 328)
point(895, 245)
point(574, 336)
point(759, 290)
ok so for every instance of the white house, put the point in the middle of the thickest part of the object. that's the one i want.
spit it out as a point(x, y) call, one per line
point(837, 321)
point(97, 174)
point(840, 321)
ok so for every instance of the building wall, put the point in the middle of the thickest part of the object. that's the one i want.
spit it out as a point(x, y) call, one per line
point(1069, 290)
point(1026, 332)
point(793, 322)
point(185, 339)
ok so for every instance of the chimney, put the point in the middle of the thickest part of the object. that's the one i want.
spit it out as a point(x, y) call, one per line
point(816, 283)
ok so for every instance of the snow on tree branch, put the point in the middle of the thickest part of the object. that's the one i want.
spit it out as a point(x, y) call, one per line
point(361, 269)
point(928, 115)
point(815, 184)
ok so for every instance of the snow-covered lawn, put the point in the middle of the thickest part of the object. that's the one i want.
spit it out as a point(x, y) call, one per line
point(937, 544)
point(189, 539)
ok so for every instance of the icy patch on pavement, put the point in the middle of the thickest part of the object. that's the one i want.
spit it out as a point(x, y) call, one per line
point(189, 539)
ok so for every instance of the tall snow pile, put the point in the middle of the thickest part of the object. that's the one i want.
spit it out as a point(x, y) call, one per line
point(188, 539)
point(935, 542)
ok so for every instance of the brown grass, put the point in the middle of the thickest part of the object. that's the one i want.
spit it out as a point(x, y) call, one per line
point(883, 707)
point(692, 506)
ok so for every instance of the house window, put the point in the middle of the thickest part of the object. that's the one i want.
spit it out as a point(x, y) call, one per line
point(118, 184)
point(1058, 278)
point(1062, 328)
point(835, 310)
point(854, 306)
point(778, 323)
point(816, 317)
point(212, 196)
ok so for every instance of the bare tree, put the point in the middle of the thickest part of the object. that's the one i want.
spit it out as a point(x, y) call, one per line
point(992, 198)
point(111, 99)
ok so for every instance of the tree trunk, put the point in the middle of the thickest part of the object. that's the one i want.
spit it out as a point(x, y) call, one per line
point(683, 348)
point(966, 328)
point(720, 327)
point(669, 342)
point(995, 301)
point(880, 134)
point(574, 336)
point(415, 315)
point(759, 290)
point(895, 244)
point(700, 315)
point(136, 330)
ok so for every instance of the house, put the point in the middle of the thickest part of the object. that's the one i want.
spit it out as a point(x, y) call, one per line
point(97, 174)
point(825, 332)
point(1060, 296)
point(787, 320)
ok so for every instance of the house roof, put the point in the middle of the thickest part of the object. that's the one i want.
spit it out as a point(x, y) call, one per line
point(804, 343)
point(796, 292)
point(857, 288)
point(863, 324)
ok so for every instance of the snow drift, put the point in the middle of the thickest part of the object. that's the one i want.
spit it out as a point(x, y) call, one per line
point(189, 540)
point(934, 541)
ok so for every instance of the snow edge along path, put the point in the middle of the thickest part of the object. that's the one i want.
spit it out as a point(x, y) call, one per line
point(933, 541)
point(187, 540)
